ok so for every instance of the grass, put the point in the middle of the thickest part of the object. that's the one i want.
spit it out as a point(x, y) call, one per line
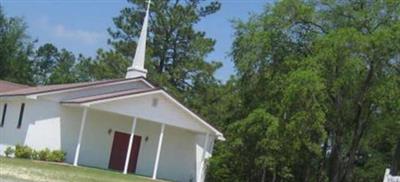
point(22, 170)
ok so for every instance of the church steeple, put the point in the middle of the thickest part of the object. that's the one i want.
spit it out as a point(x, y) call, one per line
point(137, 69)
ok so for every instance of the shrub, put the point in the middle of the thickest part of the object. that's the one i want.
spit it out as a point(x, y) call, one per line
point(57, 156)
point(24, 152)
point(35, 155)
point(44, 154)
point(9, 151)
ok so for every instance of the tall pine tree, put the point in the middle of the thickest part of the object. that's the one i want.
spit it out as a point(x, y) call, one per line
point(176, 51)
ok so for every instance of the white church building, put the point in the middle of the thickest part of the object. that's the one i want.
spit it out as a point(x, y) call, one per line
point(125, 124)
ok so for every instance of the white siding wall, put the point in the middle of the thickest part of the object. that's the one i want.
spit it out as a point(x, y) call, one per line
point(178, 153)
point(40, 126)
point(70, 125)
point(48, 125)
point(199, 152)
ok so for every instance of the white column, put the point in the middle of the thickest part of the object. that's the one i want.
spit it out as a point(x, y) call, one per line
point(387, 174)
point(78, 145)
point(203, 157)
point(160, 140)
point(128, 154)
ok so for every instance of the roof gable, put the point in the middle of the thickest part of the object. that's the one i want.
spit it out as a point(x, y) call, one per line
point(154, 105)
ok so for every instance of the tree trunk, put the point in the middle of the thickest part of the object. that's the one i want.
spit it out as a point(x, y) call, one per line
point(349, 165)
point(322, 163)
point(334, 161)
point(264, 171)
point(306, 174)
point(361, 117)
point(274, 176)
point(395, 170)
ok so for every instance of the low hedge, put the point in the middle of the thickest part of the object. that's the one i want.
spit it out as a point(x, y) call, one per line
point(44, 154)
point(22, 151)
point(57, 156)
point(25, 152)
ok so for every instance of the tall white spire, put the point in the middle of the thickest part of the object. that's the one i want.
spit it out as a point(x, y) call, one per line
point(137, 69)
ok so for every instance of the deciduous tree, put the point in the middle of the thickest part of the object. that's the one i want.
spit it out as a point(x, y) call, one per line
point(15, 49)
point(322, 68)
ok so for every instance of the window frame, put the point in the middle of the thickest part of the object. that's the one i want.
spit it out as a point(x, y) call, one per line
point(3, 115)
point(21, 115)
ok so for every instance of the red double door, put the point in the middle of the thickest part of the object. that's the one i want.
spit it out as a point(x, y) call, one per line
point(120, 149)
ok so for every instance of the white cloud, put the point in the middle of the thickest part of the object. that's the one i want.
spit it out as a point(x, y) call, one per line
point(87, 37)
point(60, 31)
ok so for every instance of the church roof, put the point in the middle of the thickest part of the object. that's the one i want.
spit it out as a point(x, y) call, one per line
point(6, 86)
point(115, 91)
point(59, 87)
point(108, 96)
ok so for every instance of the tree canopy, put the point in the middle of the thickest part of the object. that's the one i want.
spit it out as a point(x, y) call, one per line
point(327, 72)
point(15, 49)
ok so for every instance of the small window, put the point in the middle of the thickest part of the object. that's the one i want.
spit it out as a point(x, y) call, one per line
point(3, 117)
point(21, 114)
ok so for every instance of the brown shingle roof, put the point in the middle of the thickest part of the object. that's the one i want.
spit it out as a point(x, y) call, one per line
point(108, 96)
point(58, 87)
point(6, 86)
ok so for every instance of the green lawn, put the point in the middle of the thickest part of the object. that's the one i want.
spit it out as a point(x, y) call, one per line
point(16, 170)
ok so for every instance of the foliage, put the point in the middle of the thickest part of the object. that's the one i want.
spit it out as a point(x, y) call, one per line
point(176, 51)
point(35, 155)
point(22, 64)
point(44, 154)
point(45, 61)
point(54, 156)
point(57, 156)
point(15, 50)
point(22, 151)
point(9, 151)
point(395, 170)
point(53, 66)
point(63, 71)
point(108, 65)
point(328, 71)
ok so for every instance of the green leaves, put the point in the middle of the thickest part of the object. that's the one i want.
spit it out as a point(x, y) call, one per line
point(176, 51)
point(15, 50)
point(328, 72)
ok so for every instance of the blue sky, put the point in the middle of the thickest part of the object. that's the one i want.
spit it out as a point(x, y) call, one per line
point(81, 25)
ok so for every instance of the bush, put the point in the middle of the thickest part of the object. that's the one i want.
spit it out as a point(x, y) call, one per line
point(44, 154)
point(9, 151)
point(57, 156)
point(35, 155)
point(24, 152)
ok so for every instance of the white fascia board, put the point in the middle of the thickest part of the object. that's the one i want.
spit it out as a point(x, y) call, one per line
point(147, 83)
point(73, 105)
